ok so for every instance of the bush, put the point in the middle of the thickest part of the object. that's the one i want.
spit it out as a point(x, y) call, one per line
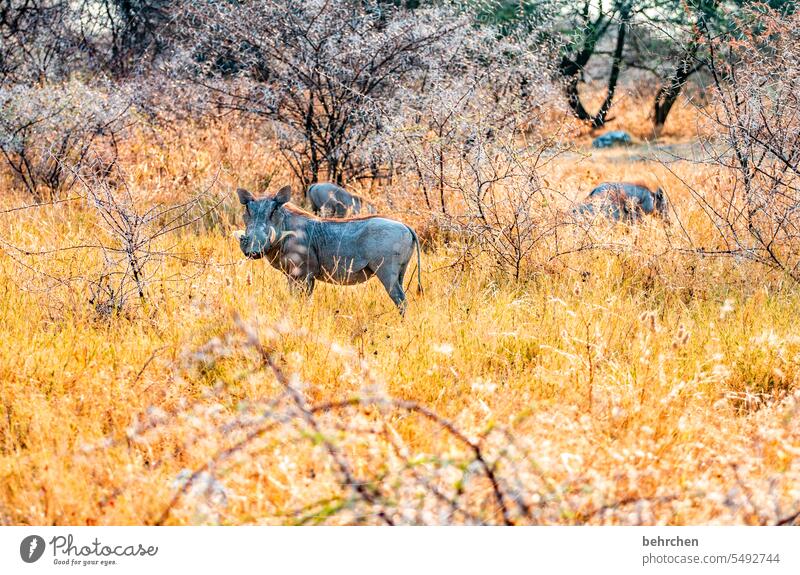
point(757, 120)
point(49, 132)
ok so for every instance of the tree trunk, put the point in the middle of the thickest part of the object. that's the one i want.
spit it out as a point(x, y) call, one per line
point(313, 155)
point(669, 92)
point(573, 69)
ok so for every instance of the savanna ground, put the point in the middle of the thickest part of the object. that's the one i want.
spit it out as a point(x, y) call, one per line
point(632, 384)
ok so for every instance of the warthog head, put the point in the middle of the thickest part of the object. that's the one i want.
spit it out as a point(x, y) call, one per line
point(263, 221)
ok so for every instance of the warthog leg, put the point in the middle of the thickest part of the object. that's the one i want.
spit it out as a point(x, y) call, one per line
point(391, 278)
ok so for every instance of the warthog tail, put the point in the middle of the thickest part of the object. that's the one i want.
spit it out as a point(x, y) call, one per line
point(419, 260)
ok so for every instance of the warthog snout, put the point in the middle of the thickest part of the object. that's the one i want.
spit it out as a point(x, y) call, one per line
point(250, 247)
point(247, 245)
point(257, 242)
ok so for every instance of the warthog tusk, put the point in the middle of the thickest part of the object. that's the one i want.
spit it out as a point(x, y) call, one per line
point(273, 235)
point(238, 234)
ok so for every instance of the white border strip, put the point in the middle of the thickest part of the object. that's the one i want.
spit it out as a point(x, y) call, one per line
point(405, 550)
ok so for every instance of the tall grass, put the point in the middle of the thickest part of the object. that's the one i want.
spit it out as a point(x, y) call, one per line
point(647, 385)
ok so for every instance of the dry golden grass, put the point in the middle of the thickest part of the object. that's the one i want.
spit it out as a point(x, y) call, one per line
point(637, 374)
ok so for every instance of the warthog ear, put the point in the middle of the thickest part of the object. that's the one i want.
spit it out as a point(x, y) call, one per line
point(284, 195)
point(245, 197)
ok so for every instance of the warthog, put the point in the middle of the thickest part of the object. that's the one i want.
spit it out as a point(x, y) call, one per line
point(625, 202)
point(612, 139)
point(340, 251)
point(328, 199)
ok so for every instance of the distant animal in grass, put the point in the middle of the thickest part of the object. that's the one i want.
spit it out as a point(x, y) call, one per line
point(612, 139)
point(327, 199)
point(347, 251)
point(624, 202)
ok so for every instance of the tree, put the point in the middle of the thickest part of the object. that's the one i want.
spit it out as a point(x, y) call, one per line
point(756, 115)
point(38, 41)
point(686, 35)
point(50, 40)
point(324, 73)
point(47, 132)
point(671, 88)
point(695, 24)
point(133, 31)
point(661, 37)
point(593, 22)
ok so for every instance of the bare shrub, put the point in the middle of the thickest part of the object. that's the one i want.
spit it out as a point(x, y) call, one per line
point(509, 214)
point(46, 132)
point(51, 40)
point(756, 119)
point(123, 256)
point(470, 142)
point(41, 40)
point(483, 89)
point(129, 245)
point(324, 73)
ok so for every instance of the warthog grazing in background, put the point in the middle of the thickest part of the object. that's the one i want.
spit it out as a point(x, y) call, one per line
point(625, 202)
point(328, 199)
point(612, 139)
point(341, 251)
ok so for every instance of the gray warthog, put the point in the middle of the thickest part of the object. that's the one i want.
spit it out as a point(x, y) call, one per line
point(625, 202)
point(341, 251)
point(328, 199)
